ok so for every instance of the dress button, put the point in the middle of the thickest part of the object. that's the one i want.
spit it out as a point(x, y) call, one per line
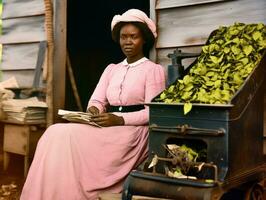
point(120, 108)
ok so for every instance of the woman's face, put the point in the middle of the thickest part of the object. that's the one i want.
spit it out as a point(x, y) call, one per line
point(131, 42)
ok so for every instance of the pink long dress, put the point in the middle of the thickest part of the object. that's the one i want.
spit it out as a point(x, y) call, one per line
point(77, 161)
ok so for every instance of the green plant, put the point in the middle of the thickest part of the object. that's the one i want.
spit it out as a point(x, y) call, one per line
point(227, 59)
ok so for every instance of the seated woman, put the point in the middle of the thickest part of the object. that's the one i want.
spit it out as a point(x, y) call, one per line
point(77, 161)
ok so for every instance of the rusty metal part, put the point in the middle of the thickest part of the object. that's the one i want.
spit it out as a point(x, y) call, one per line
point(160, 189)
point(187, 130)
point(176, 160)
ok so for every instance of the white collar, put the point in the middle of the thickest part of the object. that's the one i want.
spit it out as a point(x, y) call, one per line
point(134, 63)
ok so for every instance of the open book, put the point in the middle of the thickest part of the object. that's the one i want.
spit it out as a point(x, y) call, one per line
point(77, 116)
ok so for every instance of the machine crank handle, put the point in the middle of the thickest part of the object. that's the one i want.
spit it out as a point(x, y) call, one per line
point(186, 130)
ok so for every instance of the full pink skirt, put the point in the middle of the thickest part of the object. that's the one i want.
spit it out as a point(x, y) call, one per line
point(77, 161)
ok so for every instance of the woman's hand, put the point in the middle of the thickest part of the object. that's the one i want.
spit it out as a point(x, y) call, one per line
point(108, 119)
point(93, 110)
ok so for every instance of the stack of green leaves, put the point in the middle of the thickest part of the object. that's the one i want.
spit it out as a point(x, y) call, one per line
point(227, 59)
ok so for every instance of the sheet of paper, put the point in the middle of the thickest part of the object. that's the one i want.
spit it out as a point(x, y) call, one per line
point(25, 110)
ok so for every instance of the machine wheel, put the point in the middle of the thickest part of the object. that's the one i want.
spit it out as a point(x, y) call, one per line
point(254, 193)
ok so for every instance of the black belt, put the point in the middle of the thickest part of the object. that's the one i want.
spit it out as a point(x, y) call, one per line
point(131, 108)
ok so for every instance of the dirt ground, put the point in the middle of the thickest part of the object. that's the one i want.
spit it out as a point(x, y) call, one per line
point(11, 181)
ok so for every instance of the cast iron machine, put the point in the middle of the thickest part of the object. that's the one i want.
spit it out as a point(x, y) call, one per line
point(231, 134)
point(176, 69)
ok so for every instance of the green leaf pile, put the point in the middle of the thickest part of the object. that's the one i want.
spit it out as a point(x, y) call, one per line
point(227, 59)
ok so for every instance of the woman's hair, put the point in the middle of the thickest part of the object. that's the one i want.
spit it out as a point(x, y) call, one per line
point(145, 31)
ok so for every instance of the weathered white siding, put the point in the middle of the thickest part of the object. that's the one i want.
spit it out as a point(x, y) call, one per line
point(174, 3)
point(183, 23)
point(19, 56)
point(23, 27)
point(22, 30)
point(24, 77)
point(22, 8)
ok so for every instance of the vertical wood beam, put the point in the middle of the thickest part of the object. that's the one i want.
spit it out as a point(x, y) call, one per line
point(59, 64)
point(153, 52)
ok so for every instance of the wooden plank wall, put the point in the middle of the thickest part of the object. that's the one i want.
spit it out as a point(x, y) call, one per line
point(22, 30)
point(186, 24)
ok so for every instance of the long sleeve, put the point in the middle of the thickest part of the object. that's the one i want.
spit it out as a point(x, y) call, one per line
point(154, 84)
point(98, 98)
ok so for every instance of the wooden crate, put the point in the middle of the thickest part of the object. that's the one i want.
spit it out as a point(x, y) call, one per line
point(21, 139)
